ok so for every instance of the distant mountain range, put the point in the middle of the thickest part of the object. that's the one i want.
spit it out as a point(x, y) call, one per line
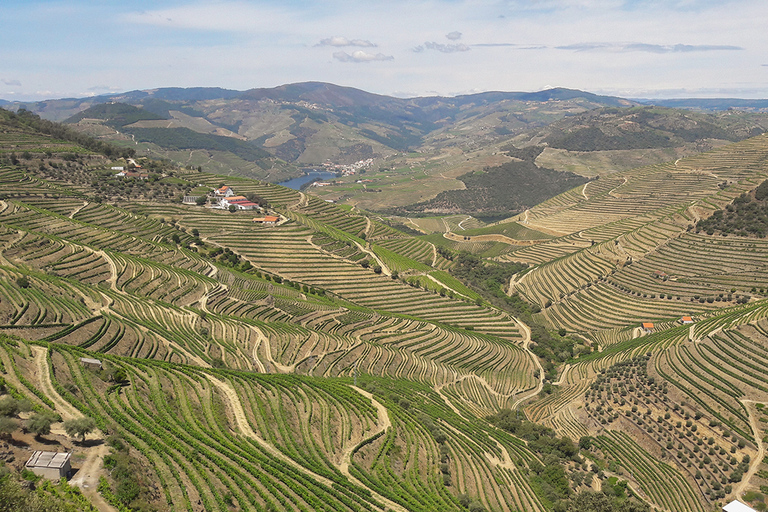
point(271, 133)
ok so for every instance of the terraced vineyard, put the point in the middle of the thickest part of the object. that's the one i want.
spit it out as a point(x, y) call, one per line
point(332, 362)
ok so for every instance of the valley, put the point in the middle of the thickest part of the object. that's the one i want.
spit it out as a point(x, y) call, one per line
point(601, 343)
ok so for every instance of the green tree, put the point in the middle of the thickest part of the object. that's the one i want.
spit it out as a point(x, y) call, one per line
point(79, 427)
point(232, 208)
point(40, 423)
point(7, 426)
point(22, 282)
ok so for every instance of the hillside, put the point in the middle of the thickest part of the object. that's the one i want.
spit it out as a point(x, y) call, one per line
point(308, 124)
point(332, 362)
point(747, 215)
point(604, 140)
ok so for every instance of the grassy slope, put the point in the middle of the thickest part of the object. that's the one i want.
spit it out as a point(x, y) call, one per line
point(110, 280)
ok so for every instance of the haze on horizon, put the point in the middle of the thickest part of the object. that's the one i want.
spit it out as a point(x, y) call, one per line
point(629, 48)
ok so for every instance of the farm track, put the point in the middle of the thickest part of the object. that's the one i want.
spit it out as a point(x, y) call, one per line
point(755, 463)
point(526, 344)
point(245, 428)
point(386, 424)
point(87, 476)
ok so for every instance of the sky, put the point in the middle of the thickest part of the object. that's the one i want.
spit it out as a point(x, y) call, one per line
point(628, 48)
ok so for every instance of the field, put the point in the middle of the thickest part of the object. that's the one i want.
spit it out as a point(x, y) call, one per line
point(332, 362)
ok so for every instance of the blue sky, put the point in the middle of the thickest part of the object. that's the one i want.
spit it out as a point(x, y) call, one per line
point(631, 48)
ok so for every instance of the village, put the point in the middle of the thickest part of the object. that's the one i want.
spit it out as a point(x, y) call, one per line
point(224, 198)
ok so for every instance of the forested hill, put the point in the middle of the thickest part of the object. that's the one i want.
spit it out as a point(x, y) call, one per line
point(747, 215)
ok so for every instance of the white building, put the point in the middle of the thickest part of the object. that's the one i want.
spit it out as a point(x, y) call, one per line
point(737, 506)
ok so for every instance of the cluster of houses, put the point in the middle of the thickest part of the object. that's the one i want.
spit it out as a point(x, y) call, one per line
point(648, 327)
point(348, 169)
point(225, 197)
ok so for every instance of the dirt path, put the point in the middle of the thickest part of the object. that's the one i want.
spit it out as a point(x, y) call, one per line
point(77, 210)
point(445, 285)
point(383, 424)
point(462, 222)
point(112, 270)
point(491, 238)
point(67, 410)
point(268, 349)
point(245, 429)
point(384, 269)
point(758, 459)
point(610, 192)
point(87, 476)
point(434, 254)
point(584, 190)
point(540, 385)
point(368, 228)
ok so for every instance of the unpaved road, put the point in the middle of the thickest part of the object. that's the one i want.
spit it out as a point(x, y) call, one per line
point(755, 463)
point(87, 476)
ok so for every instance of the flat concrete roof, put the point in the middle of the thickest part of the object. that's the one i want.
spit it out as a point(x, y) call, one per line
point(737, 506)
point(89, 360)
point(48, 459)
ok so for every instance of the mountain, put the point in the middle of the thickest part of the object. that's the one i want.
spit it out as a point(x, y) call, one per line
point(755, 105)
point(415, 148)
point(312, 122)
point(605, 140)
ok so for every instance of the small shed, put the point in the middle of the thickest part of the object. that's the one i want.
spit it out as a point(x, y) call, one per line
point(90, 362)
point(647, 326)
point(686, 320)
point(737, 506)
point(268, 219)
point(51, 465)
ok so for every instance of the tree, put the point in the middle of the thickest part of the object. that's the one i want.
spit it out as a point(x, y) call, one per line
point(7, 426)
point(79, 427)
point(9, 406)
point(232, 208)
point(40, 423)
point(22, 282)
point(200, 201)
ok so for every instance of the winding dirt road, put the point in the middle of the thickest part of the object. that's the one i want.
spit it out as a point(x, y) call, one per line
point(755, 462)
point(87, 476)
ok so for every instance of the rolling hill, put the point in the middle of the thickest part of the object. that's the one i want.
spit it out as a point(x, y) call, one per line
point(332, 362)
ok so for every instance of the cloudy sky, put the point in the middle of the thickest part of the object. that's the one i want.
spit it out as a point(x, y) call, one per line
point(630, 48)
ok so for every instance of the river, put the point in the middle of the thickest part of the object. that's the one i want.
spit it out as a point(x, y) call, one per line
point(309, 175)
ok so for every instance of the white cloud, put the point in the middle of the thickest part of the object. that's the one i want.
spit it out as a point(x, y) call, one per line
point(361, 56)
point(454, 36)
point(444, 48)
point(343, 41)
point(645, 47)
point(14, 83)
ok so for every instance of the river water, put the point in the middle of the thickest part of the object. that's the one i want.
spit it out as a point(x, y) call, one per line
point(309, 175)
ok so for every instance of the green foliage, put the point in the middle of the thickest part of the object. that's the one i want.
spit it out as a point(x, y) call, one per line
point(27, 120)
point(184, 138)
point(80, 427)
point(8, 426)
point(747, 215)
point(506, 189)
point(9, 406)
point(22, 282)
point(40, 423)
point(541, 439)
point(48, 497)
point(117, 115)
point(590, 501)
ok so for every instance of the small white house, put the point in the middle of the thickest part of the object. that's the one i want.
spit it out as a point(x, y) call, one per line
point(737, 506)
point(51, 465)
